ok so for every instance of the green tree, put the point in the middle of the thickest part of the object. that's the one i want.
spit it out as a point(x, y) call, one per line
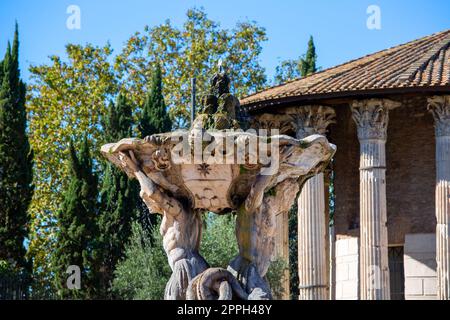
point(76, 221)
point(287, 70)
point(67, 98)
point(308, 63)
point(297, 68)
point(218, 245)
point(14, 281)
point(154, 117)
point(16, 160)
point(275, 277)
point(192, 50)
point(144, 272)
point(119, 200)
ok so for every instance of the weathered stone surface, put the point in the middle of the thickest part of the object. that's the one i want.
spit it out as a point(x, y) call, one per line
point(208, 168)
point(312, 224)
point(371, 117)
point(410, 185)
point(439, 106)
point(215, 283)
point(195, 190)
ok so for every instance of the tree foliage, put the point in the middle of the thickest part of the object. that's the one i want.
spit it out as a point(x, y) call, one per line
point(308, 63)
point(192, 50)
point(144, 272)
point(154, 117)
point(16, 160)
point(218, 245)
point(275, 277)
point(76, 222)
point(119, 199)
point(295, 68)
point(287, 70)
point(293, 251)
point(67, 99)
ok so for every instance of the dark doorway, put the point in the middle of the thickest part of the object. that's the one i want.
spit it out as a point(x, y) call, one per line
point(396, 273)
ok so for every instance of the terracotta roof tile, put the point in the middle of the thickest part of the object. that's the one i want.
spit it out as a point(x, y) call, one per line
point(423, 62)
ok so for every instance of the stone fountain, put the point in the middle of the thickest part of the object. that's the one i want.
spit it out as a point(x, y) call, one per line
point(215, 166)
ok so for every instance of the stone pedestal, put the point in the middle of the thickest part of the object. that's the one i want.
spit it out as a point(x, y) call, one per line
point(440, 108)
point(371, 117)
point(312, 218)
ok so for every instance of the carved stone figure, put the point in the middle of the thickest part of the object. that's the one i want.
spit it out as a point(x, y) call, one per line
point(181, 228)
point(256, 183)
point(219, 105)
point(215, 284)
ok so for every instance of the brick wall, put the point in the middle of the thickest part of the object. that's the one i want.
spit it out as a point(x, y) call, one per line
point(346, 168)
point(410, 175)
point(420, 267)
point(411, 171)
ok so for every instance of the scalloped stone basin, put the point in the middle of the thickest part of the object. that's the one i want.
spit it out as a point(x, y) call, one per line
point(221, 183)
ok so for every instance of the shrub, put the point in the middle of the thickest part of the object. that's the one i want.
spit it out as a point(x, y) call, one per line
point(144, 271)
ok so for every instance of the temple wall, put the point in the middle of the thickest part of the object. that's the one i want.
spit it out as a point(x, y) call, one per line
point(411, 172)
point(346, 168)
point(420, 267)
point(410, 175)
point(346, 264)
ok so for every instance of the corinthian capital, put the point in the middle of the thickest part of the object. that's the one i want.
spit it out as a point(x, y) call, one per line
point(371, 117)
point(271, 121)
point(439, 106)
point(313, 119)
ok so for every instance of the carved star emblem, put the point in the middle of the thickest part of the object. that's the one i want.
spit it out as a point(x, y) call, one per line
point(204, 169)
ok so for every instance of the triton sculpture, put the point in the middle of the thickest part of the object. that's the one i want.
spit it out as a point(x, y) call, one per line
point(217, 167)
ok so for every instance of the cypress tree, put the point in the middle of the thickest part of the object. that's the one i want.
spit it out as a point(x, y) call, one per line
point(308, 63)
point(154, 117)
point(16, 160)
point(119, 199)
point(77, 226)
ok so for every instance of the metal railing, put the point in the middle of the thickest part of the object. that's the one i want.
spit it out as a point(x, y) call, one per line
point(13, 288)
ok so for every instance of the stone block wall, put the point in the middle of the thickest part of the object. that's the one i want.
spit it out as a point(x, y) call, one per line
point(420, 267)
point(347, 269)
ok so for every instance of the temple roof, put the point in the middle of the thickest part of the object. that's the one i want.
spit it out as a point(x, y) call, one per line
point(419, 65)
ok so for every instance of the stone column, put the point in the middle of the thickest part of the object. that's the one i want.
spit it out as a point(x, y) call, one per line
point(371, 117)
point(312, 218)
point(440, 108)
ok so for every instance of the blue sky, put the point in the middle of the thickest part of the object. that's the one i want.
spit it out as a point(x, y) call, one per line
point(339, 27)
